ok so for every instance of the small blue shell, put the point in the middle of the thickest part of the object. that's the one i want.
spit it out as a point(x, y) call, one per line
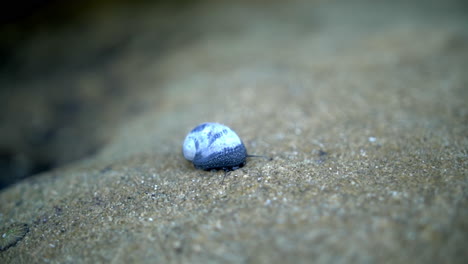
point(214, 146)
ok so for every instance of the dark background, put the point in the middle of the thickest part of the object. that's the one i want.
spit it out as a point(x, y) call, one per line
point(53, 105)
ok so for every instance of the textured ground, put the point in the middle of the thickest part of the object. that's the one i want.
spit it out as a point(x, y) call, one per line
point(361, 105)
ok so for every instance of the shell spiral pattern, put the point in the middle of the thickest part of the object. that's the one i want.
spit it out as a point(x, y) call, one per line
point(214, 146)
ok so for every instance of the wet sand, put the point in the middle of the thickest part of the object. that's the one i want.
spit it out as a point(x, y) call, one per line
point(361, 105)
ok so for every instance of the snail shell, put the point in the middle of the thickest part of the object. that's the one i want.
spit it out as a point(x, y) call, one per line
point(214, 146)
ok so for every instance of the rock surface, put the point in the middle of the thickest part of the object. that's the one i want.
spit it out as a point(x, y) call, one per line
point(361, 105)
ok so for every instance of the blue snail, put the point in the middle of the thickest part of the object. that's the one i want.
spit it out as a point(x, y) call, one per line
point(212, 146)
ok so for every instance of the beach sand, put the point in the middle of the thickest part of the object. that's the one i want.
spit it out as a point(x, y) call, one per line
point(360, 104)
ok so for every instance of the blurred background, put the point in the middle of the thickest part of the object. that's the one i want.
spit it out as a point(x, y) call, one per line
point(69, 73)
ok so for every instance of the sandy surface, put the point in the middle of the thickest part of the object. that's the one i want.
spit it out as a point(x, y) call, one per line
point(361, 105)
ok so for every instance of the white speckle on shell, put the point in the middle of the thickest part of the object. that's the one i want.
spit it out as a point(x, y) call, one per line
point(214, 146)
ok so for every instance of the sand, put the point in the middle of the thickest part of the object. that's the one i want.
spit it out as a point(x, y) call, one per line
point(361, 105)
